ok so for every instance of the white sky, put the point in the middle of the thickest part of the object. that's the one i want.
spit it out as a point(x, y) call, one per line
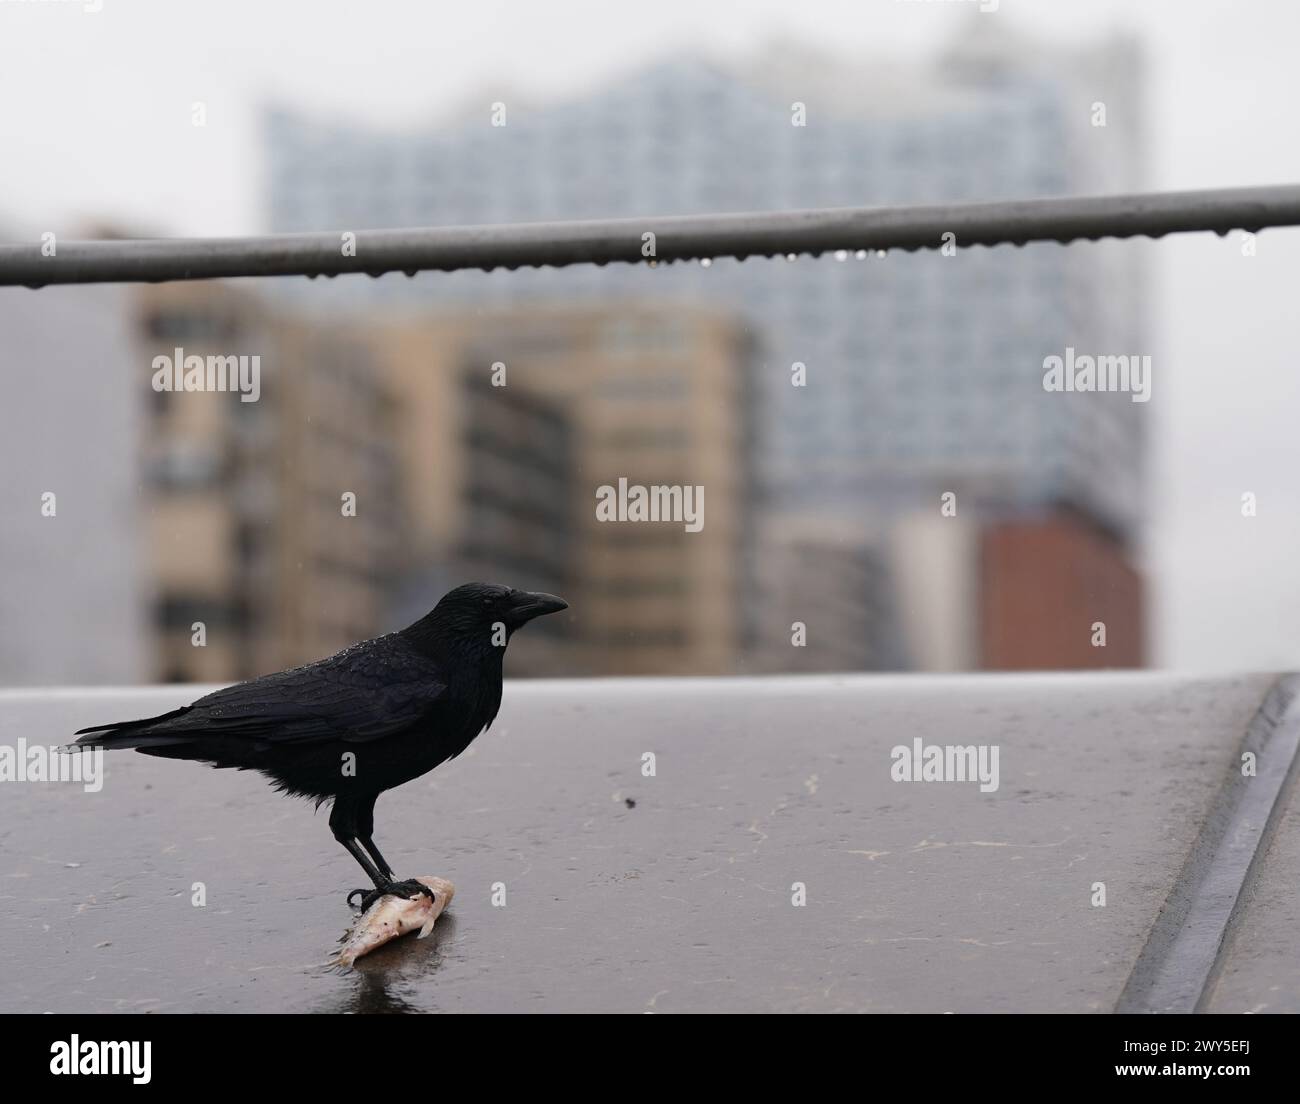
point(95, 124)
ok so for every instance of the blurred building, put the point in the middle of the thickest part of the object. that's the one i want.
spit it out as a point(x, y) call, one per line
point(924, 370)
point(71, 581)
point(822, 584)
point(505, 474)
point(1057, 593)
point(487, 479)
point(1045, 591)
point(248, 529)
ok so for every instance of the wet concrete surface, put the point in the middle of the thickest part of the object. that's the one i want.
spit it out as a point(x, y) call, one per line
point(1260, 971)
point(630, 893)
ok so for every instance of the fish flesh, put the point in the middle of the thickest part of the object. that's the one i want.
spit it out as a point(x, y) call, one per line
point(391, 916)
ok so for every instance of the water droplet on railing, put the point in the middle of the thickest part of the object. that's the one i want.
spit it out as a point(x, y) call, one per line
point(791, 257)
point(841, 254)
point(861, 254)
point(706, 262)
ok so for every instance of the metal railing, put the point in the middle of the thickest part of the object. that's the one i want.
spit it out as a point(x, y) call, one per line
point(646, 240)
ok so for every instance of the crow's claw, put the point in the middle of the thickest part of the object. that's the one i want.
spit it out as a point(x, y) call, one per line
point(406, 889)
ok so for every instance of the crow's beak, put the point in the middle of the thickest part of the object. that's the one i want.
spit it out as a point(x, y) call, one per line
point(536, 604)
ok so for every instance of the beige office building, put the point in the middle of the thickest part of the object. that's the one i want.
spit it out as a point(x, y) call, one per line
point(654, 395)
point(273, 524)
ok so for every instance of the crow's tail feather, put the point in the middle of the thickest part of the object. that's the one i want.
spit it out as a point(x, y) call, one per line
point(128, 734)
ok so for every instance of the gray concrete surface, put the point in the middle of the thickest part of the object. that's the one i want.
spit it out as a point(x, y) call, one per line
point(920, 896)
point(1261, 967)
point(1184, 952)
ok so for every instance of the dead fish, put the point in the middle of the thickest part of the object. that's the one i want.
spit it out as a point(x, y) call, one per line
point(390, 917)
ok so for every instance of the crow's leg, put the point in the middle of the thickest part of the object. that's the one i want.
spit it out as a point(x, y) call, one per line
point(366, 831)
point(357, 852)
point(343, 823)
point(350, 817)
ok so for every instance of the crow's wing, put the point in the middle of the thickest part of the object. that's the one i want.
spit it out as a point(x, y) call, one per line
point(313, 707)
point(364, 693)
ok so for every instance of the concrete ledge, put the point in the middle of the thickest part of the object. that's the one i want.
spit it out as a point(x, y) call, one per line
point(632, 893)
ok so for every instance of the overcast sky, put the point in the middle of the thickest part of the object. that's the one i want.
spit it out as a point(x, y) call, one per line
point(95, 110)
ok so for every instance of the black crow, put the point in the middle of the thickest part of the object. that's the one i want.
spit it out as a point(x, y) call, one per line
point(349, 727)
